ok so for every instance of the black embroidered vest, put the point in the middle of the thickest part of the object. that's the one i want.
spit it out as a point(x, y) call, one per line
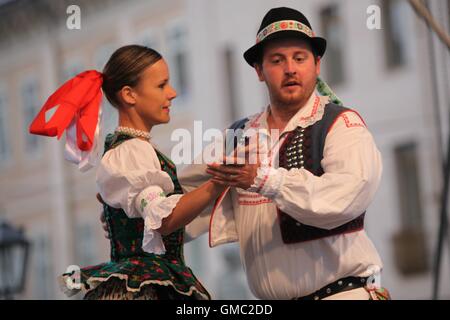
point(303, 148)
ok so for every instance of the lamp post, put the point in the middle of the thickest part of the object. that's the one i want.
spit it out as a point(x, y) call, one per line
point(14, 249)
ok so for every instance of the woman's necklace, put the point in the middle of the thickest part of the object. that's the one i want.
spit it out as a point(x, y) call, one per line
point(134, 132)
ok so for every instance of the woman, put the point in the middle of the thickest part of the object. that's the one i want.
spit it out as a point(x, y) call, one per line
point(144, 205)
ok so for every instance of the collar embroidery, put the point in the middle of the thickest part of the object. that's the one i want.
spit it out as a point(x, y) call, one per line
point(317, 111)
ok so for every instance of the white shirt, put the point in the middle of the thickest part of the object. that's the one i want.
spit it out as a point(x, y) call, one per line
point(130, 177)
point(275, 270)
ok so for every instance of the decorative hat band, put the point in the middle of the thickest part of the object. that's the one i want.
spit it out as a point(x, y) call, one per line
point(284, 25)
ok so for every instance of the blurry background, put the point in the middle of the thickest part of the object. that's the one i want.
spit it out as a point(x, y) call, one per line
point(397, 77)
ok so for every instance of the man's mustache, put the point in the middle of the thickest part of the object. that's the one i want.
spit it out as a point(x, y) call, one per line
point(291, 82)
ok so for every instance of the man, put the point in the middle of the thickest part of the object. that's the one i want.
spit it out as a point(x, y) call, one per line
point(299, 217)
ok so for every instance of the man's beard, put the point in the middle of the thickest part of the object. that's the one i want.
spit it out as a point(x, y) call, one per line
point(291, 100)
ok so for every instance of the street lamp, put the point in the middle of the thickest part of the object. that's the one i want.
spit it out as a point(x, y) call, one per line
point(13, 260)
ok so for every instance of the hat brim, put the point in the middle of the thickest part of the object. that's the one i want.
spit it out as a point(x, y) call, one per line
point(318, 44)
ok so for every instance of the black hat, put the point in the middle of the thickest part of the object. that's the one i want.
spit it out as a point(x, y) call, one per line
point(284, 23)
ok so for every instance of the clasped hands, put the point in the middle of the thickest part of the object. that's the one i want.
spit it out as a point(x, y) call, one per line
point(238, 170)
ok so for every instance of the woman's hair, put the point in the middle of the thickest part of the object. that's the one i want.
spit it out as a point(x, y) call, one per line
point(125, 67)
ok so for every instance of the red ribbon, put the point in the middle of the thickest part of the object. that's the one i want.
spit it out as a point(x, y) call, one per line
point(78, 99)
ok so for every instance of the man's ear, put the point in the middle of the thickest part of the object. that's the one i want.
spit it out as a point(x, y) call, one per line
point(259, 72)
point(318, 60)
point(127, 95)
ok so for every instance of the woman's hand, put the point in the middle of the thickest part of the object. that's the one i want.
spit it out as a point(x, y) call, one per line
point(241, 176)
point(239, 170)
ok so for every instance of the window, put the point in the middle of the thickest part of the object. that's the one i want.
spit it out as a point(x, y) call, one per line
point(4, 142)
point(408, 185)
point(331, 21)
point(177, 44)
point(410, 250)
point(31, 106)
point(395, 31)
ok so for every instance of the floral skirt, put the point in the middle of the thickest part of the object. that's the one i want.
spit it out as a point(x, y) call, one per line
point(149, 277)
point(116, 289)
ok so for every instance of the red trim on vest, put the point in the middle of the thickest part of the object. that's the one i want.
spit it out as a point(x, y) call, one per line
point(347, 121)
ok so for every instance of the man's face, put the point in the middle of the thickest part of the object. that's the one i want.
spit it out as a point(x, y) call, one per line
point(289, 70)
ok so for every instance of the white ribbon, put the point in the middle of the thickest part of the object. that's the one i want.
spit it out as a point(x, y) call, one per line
point(84, 159)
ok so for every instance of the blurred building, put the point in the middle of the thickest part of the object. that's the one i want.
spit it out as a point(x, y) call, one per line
point(397, 77)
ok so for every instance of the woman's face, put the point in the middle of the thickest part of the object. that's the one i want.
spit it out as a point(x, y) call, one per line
point(154, 94)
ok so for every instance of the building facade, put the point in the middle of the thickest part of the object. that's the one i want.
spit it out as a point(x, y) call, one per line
point(396, 76)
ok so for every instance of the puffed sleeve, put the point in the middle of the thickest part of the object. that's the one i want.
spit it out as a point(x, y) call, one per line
point(130, 177)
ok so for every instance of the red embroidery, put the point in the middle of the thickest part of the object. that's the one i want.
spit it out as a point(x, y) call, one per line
point(360, 117)
point(263, 183)
point(252, 199)
point(243, 195)
point(351, 124)
point(254, 203)
point(314, 110)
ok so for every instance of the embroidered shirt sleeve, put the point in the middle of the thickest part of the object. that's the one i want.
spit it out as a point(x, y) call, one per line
point(154, 206)
point(127, 170)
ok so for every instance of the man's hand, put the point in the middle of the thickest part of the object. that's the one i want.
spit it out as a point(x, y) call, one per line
point(102, 217)
point(241, 176)
point(238, 170)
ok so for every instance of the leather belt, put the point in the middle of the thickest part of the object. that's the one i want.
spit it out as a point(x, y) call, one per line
point(341, 285)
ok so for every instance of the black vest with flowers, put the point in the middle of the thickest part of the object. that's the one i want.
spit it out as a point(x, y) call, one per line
point(303, 148)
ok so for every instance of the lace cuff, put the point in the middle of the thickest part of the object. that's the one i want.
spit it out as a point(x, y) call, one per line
point(268, 181)
point(154, 206)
